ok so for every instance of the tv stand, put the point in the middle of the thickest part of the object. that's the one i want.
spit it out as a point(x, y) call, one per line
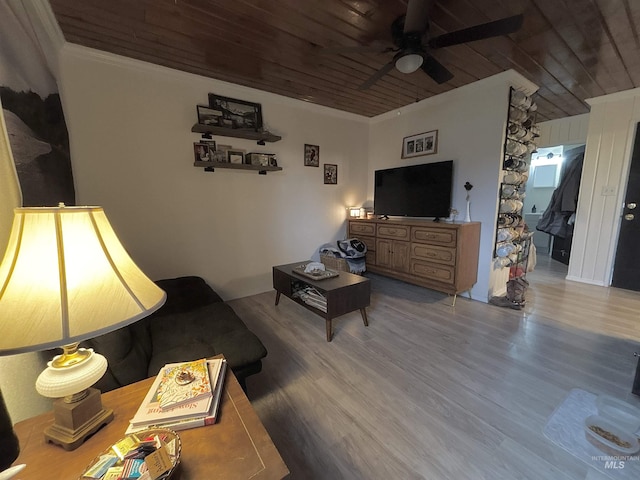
point(436, 220)
point(442, 256)
point(383, 217)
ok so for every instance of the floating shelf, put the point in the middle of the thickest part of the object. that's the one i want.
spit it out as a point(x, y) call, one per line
point(211, 166)
point(235, 132)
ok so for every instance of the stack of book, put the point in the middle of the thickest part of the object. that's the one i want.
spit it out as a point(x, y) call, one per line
point(183, 395)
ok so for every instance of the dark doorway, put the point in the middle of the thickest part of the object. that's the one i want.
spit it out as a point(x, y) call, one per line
point(626, 269)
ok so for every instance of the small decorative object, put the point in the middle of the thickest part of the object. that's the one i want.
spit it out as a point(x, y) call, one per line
point(262, 159)
point(331, 175)
point(534, 209)
point(202, 152)
point(235, 156)
point(420, 144)
point(311, 155)
point(453, 213)
point(234, 113)
point(468, 187)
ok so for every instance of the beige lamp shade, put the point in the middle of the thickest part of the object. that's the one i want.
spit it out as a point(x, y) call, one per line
point(65, 277)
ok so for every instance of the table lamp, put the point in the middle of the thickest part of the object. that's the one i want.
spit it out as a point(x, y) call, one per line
point(66, 277)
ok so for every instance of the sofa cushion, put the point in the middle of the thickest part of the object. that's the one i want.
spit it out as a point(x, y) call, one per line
point(215, 325)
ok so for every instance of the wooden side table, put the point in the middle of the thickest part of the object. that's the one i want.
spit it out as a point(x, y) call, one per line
point(236, 447)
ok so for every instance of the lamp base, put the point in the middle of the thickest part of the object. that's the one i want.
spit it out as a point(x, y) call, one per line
point(75, 422)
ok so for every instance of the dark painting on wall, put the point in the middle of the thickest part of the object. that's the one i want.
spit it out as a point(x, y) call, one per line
point(40, 146)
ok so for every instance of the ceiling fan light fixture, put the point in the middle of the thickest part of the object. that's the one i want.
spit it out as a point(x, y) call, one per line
point(409, 63)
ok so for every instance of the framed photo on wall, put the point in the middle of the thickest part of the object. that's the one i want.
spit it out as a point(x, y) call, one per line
point(311, 155)
point(330, 174)
point(420, 144)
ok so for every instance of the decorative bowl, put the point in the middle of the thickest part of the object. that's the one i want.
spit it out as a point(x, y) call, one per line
point(150, 432)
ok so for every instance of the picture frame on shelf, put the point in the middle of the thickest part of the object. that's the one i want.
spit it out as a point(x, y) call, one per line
point(311, 155)
point(208, 116)
point(420, 144)
point(330, 174)
point(235, 113)
point(211, 143)
point(202, 152)
point(235, 156)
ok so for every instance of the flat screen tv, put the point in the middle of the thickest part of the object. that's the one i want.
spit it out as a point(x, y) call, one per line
point(414, 191)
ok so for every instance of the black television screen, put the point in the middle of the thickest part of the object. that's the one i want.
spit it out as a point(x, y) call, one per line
point(414, 191)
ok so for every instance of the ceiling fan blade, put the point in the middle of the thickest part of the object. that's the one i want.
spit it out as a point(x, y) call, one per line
point(417, 17)
point(352, 50)
point(377, 76)
point(436, 70)
point(479, 32)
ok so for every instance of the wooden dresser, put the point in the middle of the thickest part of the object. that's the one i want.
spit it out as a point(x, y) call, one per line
point(440, 256)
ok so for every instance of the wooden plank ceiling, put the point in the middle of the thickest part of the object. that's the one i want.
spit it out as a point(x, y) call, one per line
point(572, 49)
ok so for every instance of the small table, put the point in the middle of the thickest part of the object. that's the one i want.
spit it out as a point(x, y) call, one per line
point(236, 447)
point(345, 293)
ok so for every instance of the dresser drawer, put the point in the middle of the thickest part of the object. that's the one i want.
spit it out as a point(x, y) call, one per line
point(400, 232)
point(433, 253)
point(370, 242)
point(433, 271)
point(437, 236)
point(362, 228)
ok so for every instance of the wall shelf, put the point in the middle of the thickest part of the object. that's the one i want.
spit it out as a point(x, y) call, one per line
point(211, 166)
point(236, 133)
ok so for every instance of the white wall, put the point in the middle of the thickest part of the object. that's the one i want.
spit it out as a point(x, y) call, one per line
point(471, 123)
point(132, 152)
point(564, 131)
point(612, 124)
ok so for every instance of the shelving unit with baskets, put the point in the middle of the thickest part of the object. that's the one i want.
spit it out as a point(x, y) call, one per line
point(513, 238)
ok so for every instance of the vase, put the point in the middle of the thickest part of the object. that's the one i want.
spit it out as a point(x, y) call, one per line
point(467, 218)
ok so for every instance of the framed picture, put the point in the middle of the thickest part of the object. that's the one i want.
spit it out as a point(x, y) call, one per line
point(236, 113)
point(235, 156)
point(202, 152)
point(311, 155)
point(420, 144)
point(208, 116)
point(330, 174)
point(211, 143)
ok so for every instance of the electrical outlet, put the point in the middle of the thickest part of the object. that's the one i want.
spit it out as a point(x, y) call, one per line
point(608, 191)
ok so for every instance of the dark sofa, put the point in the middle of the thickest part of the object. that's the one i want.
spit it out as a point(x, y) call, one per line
point(193, 323)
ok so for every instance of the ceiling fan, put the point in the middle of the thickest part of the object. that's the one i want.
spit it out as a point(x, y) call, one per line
point(410, 34)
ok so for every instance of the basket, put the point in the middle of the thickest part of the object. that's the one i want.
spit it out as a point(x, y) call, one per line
point(334, 263)
point(168, 433)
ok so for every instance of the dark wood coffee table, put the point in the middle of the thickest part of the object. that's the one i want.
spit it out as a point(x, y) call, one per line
point(345, 293)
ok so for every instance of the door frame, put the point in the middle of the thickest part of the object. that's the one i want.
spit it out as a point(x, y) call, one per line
point(621, 195)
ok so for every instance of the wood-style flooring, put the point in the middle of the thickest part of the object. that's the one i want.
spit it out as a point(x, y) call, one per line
point(432, 392)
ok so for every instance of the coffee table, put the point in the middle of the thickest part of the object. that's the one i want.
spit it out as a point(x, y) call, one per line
point(237, 447)
point(344, 294)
